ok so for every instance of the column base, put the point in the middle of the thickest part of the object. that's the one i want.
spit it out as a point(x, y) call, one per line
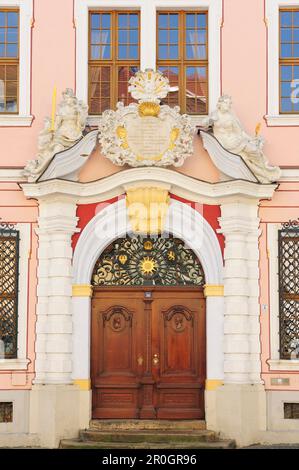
point(58, 412)
point(237, 412)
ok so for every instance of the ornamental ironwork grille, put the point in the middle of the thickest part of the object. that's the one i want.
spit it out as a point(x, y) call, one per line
point(288, 259)
point(142, 261)
point(9, 273)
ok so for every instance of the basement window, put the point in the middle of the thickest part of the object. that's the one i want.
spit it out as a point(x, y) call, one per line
point(6, 412)
point(291, 410)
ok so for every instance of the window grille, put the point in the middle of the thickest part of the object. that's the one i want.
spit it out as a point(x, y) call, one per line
point(9, 273)
point(288, 255)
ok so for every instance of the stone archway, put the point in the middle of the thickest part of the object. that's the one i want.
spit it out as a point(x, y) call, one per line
point(201, 239)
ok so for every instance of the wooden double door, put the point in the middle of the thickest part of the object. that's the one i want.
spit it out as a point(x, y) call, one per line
point(148, 355)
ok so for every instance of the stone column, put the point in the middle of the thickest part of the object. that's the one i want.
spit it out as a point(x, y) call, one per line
point(57, 224)
point(241, 402)
point(54, 398)
point(240, 226)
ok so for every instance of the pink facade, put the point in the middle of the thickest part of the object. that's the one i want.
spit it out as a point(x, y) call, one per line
point(244, 66)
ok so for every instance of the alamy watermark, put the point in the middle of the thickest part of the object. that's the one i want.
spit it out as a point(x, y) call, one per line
point(295, 92)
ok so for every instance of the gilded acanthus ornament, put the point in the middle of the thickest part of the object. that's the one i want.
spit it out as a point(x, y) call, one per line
point(229, 132)
point(68, 128)
point(147, 133)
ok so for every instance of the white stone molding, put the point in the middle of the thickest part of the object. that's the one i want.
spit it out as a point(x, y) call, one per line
point(181, 185)
point(66, 164)
point(12, 175)
point(57, 224)
point(275, 363)
point(273, 117)
point(230, 164)
point(21, 362)
point(23, 118)
point(148, 11)
point(112, 223)
point(240, 226)
point(289, 175)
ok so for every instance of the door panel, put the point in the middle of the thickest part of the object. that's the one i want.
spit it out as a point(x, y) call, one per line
point(117, 327)
point(148, 353)
point(179, 340)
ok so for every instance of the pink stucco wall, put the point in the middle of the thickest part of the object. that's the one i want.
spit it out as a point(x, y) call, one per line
point(15, 208)
point(53, 63)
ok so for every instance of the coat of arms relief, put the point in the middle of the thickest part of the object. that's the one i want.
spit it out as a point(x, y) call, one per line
point(146, 133)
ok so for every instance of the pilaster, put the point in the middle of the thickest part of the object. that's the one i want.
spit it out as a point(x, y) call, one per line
point(57, 224)
point(240, 225)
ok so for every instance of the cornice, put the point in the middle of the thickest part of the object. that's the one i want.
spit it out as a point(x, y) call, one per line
point(180, 185)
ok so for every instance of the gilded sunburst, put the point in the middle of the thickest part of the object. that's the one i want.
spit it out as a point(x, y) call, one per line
point(148, 265)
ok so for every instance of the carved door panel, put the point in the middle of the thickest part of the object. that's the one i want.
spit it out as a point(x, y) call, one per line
point(148, 353)
point(117, 353)
point(178, 348)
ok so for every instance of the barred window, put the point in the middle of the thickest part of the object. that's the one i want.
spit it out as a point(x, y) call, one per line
point(288, 256)
point(289, 60)
point(113, 57)
point(182, 55)
point(9, 273)
point(9, 60)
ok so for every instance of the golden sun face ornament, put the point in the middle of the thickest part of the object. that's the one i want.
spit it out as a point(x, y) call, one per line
point(148, 265)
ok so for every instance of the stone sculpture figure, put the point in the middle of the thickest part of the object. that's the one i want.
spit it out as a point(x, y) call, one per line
point(229, 132)
point(68, 128)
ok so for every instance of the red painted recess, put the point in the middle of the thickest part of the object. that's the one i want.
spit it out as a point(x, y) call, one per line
point(85, 212)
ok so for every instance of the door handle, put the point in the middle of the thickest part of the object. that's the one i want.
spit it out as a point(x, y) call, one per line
point(140, 360)
point(156, 359)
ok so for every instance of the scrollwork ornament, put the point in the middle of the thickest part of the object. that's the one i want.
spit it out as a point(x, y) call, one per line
point(146, 133)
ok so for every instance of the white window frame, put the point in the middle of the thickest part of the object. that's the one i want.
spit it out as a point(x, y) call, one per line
point(275, 363)
point(23, 118)
point(148, 9)
point(273, 117)
point(21, 362)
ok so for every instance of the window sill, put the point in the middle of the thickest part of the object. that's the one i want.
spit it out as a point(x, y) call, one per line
point(284, 365)
point(15, 120)
point(93, 121)
point(14, 364)
point(283, 120)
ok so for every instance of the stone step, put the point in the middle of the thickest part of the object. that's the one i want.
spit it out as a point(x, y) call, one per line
point(143, 424)
point(154, 436)
point(77, 444)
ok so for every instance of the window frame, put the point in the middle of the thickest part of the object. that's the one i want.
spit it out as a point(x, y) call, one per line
point(113, 62)
point(22, 361)
point(148, 10)
point(285, 61)
point(275, 362)
point(274, 117)
point(9, 232)
point(13, 61)
point(23, 117)
point(182, 62)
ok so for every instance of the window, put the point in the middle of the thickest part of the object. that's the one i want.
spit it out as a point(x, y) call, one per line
point(182, 55)
point(6, 412)
point(289, 60)
point(9, 60)
point(288, 268)
point(113, 57)
point(9, 273)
